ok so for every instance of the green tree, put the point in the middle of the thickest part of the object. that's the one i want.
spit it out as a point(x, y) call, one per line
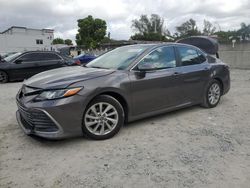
point(106, 40)
point(240, 35)
point(58, 41)
point(226, 36)
point(208, 28)
point(68, 42)
point(187, 29)
point(90, 31)
point(244, 31)
point(151, 29)
point(149, 37)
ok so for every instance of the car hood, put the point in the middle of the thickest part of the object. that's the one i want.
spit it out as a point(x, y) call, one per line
point(63, 77)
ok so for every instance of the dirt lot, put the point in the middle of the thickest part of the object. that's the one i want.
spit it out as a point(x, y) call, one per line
point(194, 147)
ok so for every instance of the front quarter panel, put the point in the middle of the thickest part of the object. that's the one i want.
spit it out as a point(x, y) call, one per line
point(5, 67)
point(117, 82)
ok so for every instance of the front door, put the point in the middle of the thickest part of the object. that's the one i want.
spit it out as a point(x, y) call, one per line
point(154, 82)
point(24, 66)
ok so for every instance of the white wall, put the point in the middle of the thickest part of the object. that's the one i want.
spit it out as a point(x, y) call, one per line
point(237, 57)
point(22, 39)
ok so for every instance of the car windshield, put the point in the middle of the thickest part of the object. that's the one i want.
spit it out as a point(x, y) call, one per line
point(119, 59)
point(11, 57)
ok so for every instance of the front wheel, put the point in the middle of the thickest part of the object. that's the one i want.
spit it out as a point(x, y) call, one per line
point(212, 94)
point(103, 118)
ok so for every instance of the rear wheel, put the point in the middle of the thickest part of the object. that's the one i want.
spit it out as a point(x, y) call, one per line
point(103, 118)
point(212, 95)
point(3, 77)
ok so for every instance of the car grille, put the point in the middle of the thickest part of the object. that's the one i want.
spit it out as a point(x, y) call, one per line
point(36, 120)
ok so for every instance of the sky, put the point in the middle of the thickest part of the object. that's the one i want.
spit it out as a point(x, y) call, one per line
point(62, 15)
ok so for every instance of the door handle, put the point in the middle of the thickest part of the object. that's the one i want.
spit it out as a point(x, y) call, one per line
point(206, 68)
point(176, 73)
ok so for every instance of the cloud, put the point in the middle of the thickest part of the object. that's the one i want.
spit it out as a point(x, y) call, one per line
point(62, 15)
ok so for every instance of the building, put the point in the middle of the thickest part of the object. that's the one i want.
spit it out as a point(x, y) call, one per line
point(18, 39)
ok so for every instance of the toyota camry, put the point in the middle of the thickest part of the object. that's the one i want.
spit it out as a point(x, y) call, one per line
point(123, 85)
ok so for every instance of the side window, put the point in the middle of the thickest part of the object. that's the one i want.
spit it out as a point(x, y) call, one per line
point(190, 56)
point(39, 57)
point(30, 57)
point(50, 56)
point(161, 58)
point(202, 58)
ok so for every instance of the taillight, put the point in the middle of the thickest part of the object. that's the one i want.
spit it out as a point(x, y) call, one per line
point(78, 62)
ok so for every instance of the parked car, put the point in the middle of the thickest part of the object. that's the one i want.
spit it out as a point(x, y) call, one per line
point(8, 54)
point(1, 59)
point(20, 66)
point(123, 85)
point(84, 58)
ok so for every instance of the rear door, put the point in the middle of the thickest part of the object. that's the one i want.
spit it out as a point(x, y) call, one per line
point(157, 87)
point(193, 73)
point(48, 60)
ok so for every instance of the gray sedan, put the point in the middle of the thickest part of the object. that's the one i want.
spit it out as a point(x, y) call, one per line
point(123, 85)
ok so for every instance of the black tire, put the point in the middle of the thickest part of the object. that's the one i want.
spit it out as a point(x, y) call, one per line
point(106, 100)
point(206, 102)
point(3, 77)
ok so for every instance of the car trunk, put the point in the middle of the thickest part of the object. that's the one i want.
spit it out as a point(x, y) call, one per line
point(207, 44)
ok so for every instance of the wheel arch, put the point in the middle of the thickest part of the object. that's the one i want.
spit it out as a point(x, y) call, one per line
point(221, 83)
point(119, 97)
point(6, 72)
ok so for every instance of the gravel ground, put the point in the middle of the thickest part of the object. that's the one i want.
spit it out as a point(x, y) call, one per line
point(194, 147)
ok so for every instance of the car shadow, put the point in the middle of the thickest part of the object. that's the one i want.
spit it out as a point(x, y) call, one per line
point(14, 81)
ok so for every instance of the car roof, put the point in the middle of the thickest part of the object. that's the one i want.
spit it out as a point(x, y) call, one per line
point(152, 46)
point(159, 44)
point(39, 51)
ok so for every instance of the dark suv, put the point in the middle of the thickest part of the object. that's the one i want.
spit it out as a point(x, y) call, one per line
point(20, 66)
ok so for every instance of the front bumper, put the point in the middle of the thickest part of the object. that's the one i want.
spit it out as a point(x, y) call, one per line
point(29, 129)
point(55, 119)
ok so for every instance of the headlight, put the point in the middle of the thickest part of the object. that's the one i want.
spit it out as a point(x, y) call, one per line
point(58, 93)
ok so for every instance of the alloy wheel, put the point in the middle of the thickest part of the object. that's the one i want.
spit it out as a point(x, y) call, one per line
point(214, 93)
point(101, 118)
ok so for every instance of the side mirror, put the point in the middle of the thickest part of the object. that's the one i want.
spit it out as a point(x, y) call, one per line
point(144, 67)
point(18, 61)
point(140, 74)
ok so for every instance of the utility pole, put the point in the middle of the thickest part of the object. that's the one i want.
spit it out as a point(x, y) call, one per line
point(155, 26)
